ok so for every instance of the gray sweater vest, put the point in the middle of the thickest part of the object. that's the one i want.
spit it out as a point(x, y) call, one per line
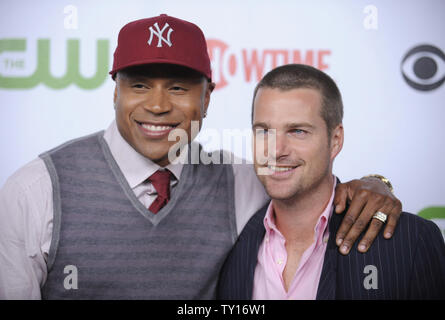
point(107, 245)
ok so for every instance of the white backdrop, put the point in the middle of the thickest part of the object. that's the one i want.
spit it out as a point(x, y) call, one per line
point(391, 128)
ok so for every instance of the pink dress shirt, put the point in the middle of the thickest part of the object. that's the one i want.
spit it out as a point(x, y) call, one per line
point(272, 257)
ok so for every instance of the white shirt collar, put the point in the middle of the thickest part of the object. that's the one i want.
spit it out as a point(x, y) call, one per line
point(135, 167)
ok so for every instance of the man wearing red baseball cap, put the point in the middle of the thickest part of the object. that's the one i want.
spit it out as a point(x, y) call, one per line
point(112, 216)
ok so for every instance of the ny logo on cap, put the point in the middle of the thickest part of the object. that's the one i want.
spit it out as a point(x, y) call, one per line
point(159, 33)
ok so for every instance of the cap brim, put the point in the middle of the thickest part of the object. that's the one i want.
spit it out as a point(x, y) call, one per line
point(154, 61)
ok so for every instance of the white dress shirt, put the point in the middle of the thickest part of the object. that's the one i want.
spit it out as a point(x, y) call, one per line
point(26, 212)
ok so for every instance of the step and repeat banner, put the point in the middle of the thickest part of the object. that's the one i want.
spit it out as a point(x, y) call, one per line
point(387, 58)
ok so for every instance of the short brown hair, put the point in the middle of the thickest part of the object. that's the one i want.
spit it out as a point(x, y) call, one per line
point(295, 76)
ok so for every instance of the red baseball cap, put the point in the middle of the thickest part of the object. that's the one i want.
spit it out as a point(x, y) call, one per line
point(162, 39)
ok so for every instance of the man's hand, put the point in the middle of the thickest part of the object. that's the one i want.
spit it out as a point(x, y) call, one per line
point(367, 195)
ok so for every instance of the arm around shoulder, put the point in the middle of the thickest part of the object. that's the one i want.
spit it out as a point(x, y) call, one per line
point(250, 195)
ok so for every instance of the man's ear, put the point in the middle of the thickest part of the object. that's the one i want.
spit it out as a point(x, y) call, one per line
point(337, 138)
point(115, 96)
point(210, 86)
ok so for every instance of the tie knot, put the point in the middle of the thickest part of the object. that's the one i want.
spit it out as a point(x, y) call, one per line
point(161, 182)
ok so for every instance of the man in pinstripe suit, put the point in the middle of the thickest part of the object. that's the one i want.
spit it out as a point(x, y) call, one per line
point(287, 250)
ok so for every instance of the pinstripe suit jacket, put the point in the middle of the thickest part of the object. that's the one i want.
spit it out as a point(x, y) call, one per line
point(411, 265)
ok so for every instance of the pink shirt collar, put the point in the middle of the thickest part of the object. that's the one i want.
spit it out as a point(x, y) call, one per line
point(272, 257)
point(320, 227)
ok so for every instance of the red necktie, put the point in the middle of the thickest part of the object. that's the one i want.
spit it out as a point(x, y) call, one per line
point(161, 182)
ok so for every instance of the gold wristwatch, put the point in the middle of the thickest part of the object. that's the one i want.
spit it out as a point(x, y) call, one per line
point(381, 178)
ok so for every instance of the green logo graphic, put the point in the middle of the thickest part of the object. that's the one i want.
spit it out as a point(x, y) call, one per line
point(42, 73)
point(434, 213)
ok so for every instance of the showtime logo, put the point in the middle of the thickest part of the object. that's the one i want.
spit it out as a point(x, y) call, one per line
point(252, 64)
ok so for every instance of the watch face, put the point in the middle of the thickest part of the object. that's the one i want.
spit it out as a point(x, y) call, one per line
point(383, 179)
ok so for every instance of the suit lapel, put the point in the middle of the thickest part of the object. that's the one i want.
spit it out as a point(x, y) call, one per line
point(255, 233)
point(327, 285)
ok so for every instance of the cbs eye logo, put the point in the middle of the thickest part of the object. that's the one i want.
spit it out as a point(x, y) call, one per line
point(423, 67)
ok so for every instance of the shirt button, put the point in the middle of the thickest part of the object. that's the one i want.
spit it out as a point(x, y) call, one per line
point(325, 239)
point(280, 261)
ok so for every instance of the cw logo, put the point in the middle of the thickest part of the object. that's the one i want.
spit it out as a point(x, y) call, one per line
point(42, 73)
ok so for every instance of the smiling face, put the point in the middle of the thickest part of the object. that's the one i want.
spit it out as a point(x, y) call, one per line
point(304, 152)
point(152, 100)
